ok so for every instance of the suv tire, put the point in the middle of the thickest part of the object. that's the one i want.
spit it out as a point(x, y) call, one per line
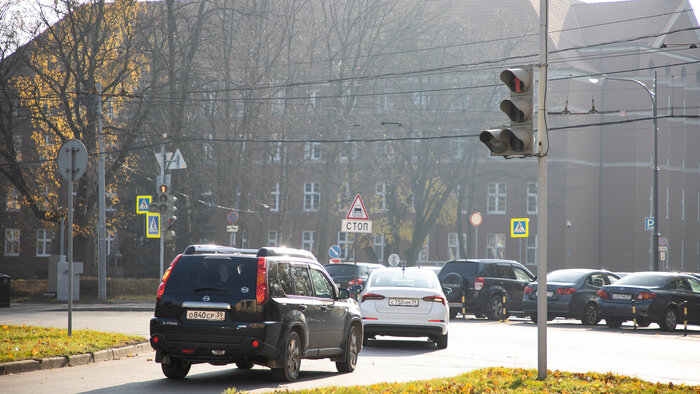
point(244, 364)
point(291, 360)
point(496, 306)
point(352, 349)
point(177, 369)
point(441, 341)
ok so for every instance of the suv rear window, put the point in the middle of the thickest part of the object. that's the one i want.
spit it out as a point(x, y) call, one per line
point(228, 274)
point(342, 270)
point(465, 269)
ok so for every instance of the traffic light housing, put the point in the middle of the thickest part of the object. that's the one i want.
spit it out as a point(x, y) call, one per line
point(517, 139)
point(164, 202)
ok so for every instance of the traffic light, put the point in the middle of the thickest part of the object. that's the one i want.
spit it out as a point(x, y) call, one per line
point(518, 139)
point(164, 202)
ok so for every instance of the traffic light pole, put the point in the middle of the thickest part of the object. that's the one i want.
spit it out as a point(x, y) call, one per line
point(543, 148)
point(162, 226)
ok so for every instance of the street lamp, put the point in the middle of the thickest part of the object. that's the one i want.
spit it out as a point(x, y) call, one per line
point(655, 192)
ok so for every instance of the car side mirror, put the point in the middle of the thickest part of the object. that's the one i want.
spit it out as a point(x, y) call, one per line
point(446, 290)
point(343, 294)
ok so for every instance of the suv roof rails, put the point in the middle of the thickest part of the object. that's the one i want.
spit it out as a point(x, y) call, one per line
point(211, 248)
point(282, 251)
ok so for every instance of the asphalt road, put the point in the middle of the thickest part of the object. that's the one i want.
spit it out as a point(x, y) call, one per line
point(645, 353)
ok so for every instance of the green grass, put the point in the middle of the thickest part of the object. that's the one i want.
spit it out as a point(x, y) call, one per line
point(509, 380)
point(26, 342)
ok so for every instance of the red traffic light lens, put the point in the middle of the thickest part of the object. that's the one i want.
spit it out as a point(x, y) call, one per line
point(163, 188)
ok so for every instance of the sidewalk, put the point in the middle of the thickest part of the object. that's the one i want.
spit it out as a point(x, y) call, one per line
point(114, 306)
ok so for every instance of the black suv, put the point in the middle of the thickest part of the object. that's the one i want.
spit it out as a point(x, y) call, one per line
point(271, 307)
point(346, 274)
point(485, 287)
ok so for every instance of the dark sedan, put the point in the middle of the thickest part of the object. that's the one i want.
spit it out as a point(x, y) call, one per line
point(651, 297)
point(571, 293)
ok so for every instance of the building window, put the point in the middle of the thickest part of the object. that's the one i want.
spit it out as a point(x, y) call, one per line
point(496, 202)
point(312, 151)
point(110, 242)
point(384, 103)
point(380, 194)
point(244, 239)
point(345, 199)
point(12, 242)
point(307, 240)
point(311, 99)
point(495, 246)
point(312, 196)
point(378, 246)
point(348, 152)
point(278, 105)
point(531, 253)
point(272, 238)
point(12, 204)
point(43, 243)
point(345, 241)
point(275, 198)
point(423, 254)
point(274, 154)
point(453, 245)
point(532, 198)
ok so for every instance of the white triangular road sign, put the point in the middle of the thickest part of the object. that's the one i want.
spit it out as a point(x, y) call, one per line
point(143, 206)
point(519, 228)
point(357, 210)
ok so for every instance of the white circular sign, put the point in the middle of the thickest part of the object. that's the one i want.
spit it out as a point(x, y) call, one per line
point(72, 160)
point(475, 219)
point(394, 260)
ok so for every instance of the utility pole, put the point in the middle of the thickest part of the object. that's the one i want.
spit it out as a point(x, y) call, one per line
point(542, 143)
point(101, 227)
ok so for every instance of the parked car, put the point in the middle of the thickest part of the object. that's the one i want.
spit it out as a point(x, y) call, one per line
point(406, 302)
point(345, 275)
point(270, 308)
point(483, 283)
point(657, 297)
point(571, 293)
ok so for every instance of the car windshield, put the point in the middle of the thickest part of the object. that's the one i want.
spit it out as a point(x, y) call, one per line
point(642, 279)
point(564, 276)
point(403, 278)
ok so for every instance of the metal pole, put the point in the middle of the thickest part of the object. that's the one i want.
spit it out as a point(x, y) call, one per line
point(542, 198)
point(70, 243)
point(656, 177)
point(101, 247)
point(160, 215)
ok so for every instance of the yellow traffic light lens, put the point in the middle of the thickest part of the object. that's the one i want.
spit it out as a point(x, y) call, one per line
point(163, 188)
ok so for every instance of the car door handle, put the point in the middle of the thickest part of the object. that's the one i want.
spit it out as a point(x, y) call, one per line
point(302, 308)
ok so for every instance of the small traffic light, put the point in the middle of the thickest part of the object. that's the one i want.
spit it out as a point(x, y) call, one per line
point(518, 139)
point(164, 202)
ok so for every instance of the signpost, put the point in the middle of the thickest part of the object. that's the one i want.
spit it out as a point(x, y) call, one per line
point(356, 221)
point(334, 253)
point(72, 162)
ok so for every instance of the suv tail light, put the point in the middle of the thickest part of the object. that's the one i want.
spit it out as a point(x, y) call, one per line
point(371, 296)
point(435, 298)
point(645, 295)
point(529, 289)
point(603, 294)
point(566, 290)
point(352, 281)
point(478, 283)
point(166, 275)
point(261, 290)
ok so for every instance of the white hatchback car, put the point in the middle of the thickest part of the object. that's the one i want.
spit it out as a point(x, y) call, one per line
point(406, 302)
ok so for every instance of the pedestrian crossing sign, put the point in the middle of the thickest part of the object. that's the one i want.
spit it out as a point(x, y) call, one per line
point(152, 225)
point(142, 203)
point(519, 227)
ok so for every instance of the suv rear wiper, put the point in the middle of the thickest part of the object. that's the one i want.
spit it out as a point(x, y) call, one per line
point(209, 288)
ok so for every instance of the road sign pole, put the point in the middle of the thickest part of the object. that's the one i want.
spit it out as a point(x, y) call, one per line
point(160, 221)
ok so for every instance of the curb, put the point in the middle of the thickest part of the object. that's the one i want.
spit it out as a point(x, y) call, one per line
point(13, 367)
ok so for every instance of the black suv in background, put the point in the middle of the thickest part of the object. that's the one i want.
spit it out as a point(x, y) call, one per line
point(483, 284)
point(346, 274)
point(271, 307)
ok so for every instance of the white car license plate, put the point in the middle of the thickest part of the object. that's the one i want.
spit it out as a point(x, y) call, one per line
point(550, 293)
point(616, 296)
point(403, 301)
point(206, 315)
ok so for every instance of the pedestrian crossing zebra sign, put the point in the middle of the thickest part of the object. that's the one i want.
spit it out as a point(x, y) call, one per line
point(152, 225)
point(519, 227)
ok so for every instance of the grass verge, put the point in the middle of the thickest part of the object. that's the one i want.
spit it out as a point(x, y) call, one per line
point(26, 342)
point(512, 380)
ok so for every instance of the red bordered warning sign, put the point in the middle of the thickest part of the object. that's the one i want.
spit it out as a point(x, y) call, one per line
point(357, 210)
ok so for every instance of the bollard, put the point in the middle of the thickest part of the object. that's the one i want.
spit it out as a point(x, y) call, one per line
point(685, 318)
point(503, 315)
point(464, 304)
point(634, 314)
